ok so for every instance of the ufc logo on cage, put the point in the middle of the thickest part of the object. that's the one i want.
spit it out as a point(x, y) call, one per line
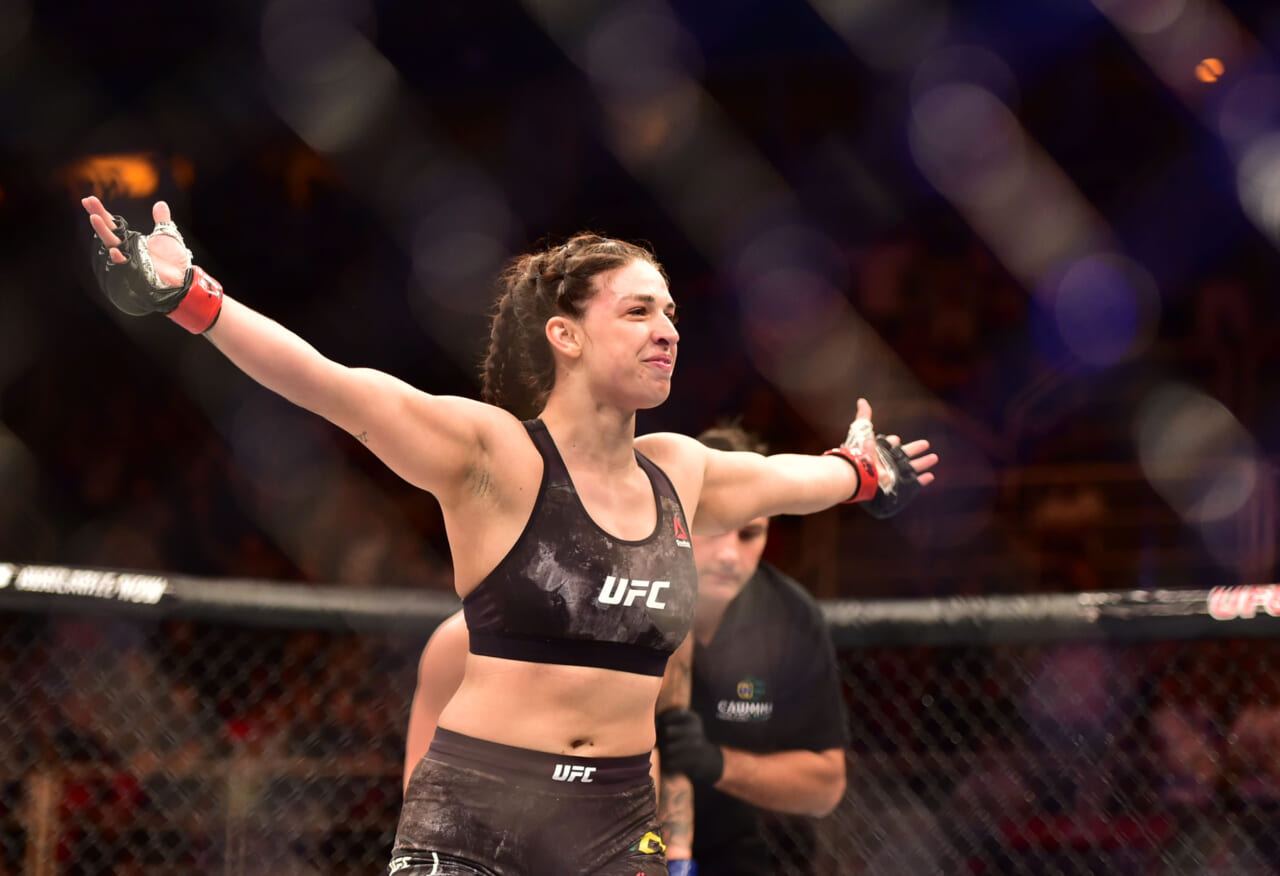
point(622, 591)
point(572, 772)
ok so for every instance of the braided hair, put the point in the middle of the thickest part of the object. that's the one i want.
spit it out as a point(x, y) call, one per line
point(519, 369)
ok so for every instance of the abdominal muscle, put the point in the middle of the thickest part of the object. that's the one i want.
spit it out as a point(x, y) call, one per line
point(573, 710)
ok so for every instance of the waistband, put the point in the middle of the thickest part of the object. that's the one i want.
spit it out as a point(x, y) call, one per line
point(559, 772)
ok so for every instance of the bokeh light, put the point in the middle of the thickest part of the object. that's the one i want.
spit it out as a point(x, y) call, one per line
point(1107, 308)
point(1195, 453)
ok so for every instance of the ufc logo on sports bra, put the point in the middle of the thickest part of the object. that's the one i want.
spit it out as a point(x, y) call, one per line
point(622, 591)
point(566, 772)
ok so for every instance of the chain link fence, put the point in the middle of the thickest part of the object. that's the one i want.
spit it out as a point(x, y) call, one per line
point(145, 740)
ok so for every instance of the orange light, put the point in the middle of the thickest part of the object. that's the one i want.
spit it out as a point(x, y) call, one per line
point(128, 175)
point(1209, 70)
point(183, 171)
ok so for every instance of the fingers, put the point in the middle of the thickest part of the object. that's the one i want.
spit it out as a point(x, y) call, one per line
point(94, 206)
point(924, 463)
point(921, 461)
point(912, 448)
point(96, 210)
point(864, 409)
point(102, 227)
point(160, 212)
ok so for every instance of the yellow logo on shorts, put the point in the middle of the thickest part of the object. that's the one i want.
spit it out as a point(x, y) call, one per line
point(651, 844)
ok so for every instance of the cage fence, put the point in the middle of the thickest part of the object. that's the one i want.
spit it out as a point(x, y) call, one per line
point(237, 727)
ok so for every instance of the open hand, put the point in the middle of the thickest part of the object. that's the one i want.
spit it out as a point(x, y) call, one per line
point(169, 255)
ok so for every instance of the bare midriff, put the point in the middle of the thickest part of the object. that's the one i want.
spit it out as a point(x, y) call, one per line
point(576, 710)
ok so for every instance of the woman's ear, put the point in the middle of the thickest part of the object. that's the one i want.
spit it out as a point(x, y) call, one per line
point(564, 336)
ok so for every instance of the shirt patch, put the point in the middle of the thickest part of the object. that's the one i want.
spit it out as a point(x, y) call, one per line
point(682, 534)
point(750, 705)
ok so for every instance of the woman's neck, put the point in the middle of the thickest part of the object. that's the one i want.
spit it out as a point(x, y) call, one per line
point(600, 437)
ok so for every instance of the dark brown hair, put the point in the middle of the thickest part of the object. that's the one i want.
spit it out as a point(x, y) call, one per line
point(519, 369)
point(732, 436)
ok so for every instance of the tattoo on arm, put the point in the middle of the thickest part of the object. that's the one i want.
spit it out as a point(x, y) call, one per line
point(675, 811)
point(363, 437)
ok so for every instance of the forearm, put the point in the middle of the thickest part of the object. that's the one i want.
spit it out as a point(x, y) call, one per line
point(795, 782)
point(806, 484)
point(675, 815)
point(675, 792)
point(275, 357)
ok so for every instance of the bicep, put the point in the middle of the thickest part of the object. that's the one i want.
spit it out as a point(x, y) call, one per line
point(738, 487)
point(429, 440)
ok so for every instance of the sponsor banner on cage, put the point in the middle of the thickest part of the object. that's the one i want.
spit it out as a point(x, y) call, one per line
point(89, 583)
point(1230, 603)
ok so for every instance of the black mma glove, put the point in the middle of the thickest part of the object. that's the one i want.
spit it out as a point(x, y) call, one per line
point(134, 288)
point(886, 481)
point(906, 483)
point(685, 749)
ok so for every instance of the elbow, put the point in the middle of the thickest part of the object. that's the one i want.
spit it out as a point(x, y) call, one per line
point(832, 793)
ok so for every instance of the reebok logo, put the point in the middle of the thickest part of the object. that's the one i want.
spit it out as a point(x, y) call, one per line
point(682, 534)
point(622, 591)
point(573, 772)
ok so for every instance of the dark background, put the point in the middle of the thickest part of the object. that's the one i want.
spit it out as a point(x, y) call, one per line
point(1026, 231)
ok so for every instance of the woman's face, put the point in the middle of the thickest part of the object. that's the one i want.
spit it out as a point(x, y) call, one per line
point(629, 336)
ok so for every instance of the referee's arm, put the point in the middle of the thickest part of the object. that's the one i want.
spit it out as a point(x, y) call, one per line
point(794, 782)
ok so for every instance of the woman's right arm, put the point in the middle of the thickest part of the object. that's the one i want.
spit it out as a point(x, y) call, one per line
point(428, 440)
point(431, 441)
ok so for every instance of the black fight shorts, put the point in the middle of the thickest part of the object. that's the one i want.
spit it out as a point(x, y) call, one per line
point(477, 808)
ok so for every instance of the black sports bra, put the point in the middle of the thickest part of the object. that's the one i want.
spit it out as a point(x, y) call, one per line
point(570, 593)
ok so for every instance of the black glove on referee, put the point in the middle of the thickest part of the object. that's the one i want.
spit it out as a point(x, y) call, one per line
point(684, 748)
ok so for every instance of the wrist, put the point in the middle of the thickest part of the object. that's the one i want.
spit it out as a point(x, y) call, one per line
point(710, 765)
point(200, 306)
point(864, 467)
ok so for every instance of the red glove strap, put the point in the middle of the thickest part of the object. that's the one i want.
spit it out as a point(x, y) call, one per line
point(868, 479)
point(199, 308)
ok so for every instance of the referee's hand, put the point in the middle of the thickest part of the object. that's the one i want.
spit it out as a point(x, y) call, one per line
point(684, 747)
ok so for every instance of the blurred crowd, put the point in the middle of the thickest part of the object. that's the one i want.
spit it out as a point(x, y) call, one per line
point(147, 467)
point(147, 748)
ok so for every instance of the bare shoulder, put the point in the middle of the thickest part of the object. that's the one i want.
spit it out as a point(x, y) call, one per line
point(681, 457)
point(672, 451)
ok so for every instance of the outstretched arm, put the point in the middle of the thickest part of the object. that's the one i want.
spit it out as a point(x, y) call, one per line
point(736, 487)
point(396, 421)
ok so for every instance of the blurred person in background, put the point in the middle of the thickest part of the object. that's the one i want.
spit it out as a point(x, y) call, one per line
point(568, 533)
